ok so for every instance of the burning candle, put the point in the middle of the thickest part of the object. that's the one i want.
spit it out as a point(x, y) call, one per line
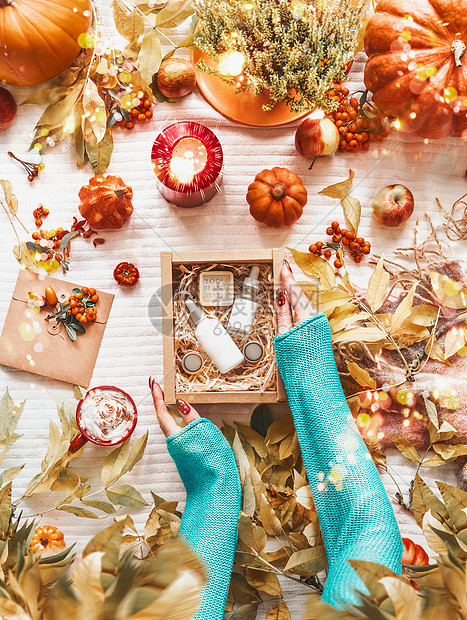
point(187, 160)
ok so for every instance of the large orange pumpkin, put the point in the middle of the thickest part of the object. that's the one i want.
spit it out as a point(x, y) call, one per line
point(276, 197)
point(39, 38)
point(106, 202)
point(417, 66)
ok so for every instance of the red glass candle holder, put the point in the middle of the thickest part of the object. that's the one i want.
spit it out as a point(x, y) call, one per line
point(187, 159)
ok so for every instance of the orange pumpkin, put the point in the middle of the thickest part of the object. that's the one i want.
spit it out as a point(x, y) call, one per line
point(106, 202)
point(277, 197)
point(39, 38)
point(417, 66)
point(47, 540)
point(413, 554)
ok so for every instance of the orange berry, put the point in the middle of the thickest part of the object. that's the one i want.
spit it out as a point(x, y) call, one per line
point(135, 112)
point(147, 104)
point(92, 291)
point(36, 235)
point(337, 264)
point(75, 311)
point(95, 298)
point(330, 230)
point(345, 117)
point(366, 146)
point(129, 125)
point(78, 295)
point(352, 113)
point(345, 241)
point(84, 290)
point(354, 102)
point(141, 117)
point(38, 223)
point(319, 244)
point(352, 127)
point(312, 249)
point(327, 253)
point(358, 259)
point(335, 225)
point(345, 92)
point(149, 114)
point(360, 240)
point(83, 319)
point(336, 238)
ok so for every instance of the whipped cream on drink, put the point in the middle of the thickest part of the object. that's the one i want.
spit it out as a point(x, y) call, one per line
point(106, 414)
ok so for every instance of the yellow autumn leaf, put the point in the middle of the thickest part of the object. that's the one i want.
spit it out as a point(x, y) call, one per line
point(450, 292)
point(406, 601)
point(352, 211)
point(316, 267)
point(360, 375)
point(372, 333)
point(279, 613)
point(406, 448)
point(10, 198)
point(378, 286)
point(403, 310)
point(455, 340)
point(149, 57)
point(339, 190)
point(95, 113)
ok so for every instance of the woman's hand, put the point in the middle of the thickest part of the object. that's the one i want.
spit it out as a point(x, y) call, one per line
point(295, 305)
point(166, 421)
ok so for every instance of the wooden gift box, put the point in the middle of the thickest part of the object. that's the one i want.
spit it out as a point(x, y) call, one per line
point(169, 261)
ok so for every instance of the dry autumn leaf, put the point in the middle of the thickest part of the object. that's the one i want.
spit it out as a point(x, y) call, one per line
point(10, 198)
point(403, 310)
point(316, 267)
point(279, 613)
point(378, 286)
point(149, 58)
point(360, 375)
point(350, 205)
point(407, 449)
point(450, 292)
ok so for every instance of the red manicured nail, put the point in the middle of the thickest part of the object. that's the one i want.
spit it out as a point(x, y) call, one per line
point(280, 297)
point(286, 263)
point(151, 383)
point(183, 407)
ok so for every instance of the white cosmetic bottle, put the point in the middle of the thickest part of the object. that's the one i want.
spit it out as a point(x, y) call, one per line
point(245, 306)
point(214, 339)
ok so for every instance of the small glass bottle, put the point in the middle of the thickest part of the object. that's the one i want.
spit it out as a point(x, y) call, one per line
point(245, 306)
point(214, 339)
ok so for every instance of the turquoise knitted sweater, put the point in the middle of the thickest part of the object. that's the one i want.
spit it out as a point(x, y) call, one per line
point(356, 517)
point(354, 511)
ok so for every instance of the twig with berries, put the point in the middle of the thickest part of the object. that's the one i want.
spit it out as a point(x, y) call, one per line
point(39, 214)
point(358, 121)
point(52, 248)
point(343, 240)
point(31, 168)
point(78, 310)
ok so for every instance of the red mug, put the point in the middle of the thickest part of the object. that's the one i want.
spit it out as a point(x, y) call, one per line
point(84, 436)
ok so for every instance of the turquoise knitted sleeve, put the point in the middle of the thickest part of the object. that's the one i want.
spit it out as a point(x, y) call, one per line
point(356, 517)
point(208, 470)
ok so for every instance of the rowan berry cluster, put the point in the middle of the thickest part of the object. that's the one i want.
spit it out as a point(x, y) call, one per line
point(344, 240)
point(358, 122)
point(141, 111)
point(83, 304)
point(39, 214)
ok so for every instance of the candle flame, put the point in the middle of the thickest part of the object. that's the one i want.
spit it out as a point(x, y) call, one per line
point(182, 169)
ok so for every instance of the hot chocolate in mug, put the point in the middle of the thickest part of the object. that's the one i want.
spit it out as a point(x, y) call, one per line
point(106, 416)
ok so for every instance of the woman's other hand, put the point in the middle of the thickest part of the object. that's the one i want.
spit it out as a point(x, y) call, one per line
point(292, 305)
point(166, 421)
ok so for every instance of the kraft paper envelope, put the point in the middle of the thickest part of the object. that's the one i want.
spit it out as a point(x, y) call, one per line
point(29, 342)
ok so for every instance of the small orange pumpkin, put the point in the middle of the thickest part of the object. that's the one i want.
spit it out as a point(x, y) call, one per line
point(47, 539)
point(106, 202)
point(413, 554)
point(277, 197)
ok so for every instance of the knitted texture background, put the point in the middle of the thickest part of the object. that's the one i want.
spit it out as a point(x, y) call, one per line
point(356, 517)
point(208, 470)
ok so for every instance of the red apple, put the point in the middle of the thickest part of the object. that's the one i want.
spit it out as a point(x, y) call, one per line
point(7, 108)
point(176, 78)
point(393, 205)
point(316, 137)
